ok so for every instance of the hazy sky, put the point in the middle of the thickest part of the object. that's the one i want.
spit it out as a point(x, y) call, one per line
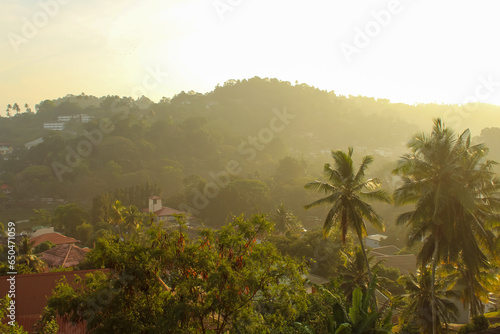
point(408, 50)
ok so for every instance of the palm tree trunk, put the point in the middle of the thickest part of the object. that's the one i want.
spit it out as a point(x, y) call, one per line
point(433, 285)
point(473, 310)
point(370, 278)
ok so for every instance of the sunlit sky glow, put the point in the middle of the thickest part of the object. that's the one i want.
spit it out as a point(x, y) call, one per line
point(431, 51)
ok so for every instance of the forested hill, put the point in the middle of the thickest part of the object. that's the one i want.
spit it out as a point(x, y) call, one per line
point(270, 136)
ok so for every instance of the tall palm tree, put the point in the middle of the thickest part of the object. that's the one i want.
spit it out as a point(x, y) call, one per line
point(446, 180)
point(16, 108)
point(347, 191)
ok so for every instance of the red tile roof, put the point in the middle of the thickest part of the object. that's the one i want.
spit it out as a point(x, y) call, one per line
point(155, 197)
point(56, 238)
point(165, 211)
point(64, 255)
point(32, 291)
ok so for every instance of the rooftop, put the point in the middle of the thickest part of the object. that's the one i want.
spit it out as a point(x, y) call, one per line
point(385, 250)
point(64, 255)
point(376, 237)
point(39, 227)
point(32, 291)
point(56, 238)
point(165, 211)
point(405, 263)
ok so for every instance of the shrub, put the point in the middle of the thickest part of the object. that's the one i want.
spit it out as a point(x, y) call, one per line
point(480, 322)
point(469, 328)
point(46, 245)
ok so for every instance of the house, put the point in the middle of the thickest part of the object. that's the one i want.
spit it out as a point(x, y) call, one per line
point(385, 250)
point(313, 281)
point(164, 214)
point(6, 189)
point(405, 263)
point(32, 292)
point(33, 143)
point(65, 255)
point(84, 118)
point(54, 126)
point(4, 150)
point(373, 241)
point(56, 238)
point(40, 230)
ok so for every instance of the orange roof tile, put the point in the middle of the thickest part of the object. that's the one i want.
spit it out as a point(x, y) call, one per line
point(165, 211)
point(56, 238)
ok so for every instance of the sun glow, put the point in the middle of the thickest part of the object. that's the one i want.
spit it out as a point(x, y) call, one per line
point(400, 50)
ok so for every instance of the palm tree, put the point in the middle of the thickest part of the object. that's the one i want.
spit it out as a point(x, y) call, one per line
point(117, 219)
point(32, 262)
point(453, 193)
point(419, 296)
point(283, 220)
point(16, 108)
point(127, 220)
point(347, 191)
point(26, 246)
point(27, 258)
point(354, 273)
point(474, 287)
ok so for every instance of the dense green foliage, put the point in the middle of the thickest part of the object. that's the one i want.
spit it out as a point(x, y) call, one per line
point(237, 137)
point(163, 282)
point(248, 148)
point(479, 323)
